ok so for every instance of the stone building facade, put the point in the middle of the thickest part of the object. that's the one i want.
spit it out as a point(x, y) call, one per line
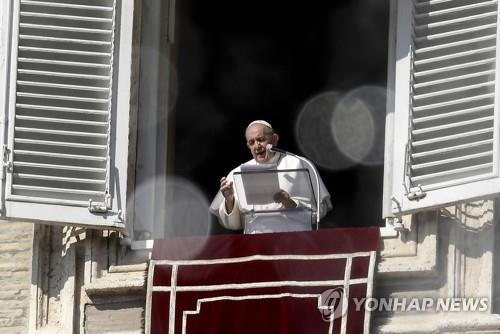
point(76, 278)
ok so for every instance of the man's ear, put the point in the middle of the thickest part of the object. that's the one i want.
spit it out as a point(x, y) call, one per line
point(275, 138)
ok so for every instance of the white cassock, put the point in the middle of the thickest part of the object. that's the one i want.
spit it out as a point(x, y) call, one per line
point(281, 221)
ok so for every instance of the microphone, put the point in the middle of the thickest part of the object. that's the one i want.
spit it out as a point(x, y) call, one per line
point(272, 148)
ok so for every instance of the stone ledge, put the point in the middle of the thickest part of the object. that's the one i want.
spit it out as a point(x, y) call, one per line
point(414, 254)
point(459, 322)
point(117, 283)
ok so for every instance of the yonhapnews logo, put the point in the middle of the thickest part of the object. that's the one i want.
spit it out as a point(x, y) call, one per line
point(332, 304)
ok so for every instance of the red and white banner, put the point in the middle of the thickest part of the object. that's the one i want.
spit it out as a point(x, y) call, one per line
point(298, 282)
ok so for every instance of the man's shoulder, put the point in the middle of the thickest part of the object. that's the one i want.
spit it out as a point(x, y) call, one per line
point(288, 161)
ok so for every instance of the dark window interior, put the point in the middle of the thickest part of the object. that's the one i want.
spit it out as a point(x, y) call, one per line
point(244, 60)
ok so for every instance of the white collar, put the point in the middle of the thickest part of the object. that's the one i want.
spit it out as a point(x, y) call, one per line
point(274, 160)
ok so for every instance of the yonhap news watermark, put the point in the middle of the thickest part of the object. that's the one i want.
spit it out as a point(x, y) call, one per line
point(334, 304)
point(402, 304)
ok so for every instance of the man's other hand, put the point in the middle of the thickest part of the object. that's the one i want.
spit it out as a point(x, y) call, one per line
point(284, 198)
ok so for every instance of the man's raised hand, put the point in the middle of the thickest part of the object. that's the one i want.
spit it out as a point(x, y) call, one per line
point(226, 188)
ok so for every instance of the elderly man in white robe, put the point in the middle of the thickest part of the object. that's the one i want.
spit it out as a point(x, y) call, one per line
point(228, 208)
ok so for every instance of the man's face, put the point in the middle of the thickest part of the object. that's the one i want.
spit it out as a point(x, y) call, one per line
point(258, 136)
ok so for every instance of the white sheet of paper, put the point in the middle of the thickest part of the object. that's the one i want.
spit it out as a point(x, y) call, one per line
point(260, 183)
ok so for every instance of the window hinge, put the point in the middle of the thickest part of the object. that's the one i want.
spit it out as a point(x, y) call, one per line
point(106, 208)
point(397, 206)
point(119, 217)
point(6, 163)
point(396, 223)
point(100, 207)
point(416, 194)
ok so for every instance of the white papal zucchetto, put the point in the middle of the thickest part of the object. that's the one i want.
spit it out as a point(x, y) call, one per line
point(259, 121)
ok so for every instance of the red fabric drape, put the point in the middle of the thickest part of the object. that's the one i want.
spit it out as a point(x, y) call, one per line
point(266, 283)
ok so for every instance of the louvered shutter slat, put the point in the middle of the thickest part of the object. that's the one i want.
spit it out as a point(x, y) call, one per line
point(63, 100)
point(457, 103)
point(465, 172)
point(450, 126)
point(67, 5)
point(63, 86)
point(62, 97)
point(462, 89)
point(453, 139)
point(59, 144)
point(65, 29)
point(58, 178)
point(77, 185)
point(67, 52)
point(63, 40)
point(453, 56)
point(61, 109)
point(430, 38)
point(62, 191)
point(60, 167)
point(62, 136)
point(455, 21)
point(60, 155)
point(460, 43)
point(439, 163)
point(423, 5)
point(66, 17)
point(60, 62)
point(450, 150)
point(467, 78)
point(445, 70)
point(61, 120)
point(452, 114)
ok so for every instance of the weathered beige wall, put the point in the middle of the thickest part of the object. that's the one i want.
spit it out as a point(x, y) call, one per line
point(15, 276)
point(115, 317)
point(451, 252)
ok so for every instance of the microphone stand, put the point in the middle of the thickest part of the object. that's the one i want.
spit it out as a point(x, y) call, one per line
point(274, 149)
